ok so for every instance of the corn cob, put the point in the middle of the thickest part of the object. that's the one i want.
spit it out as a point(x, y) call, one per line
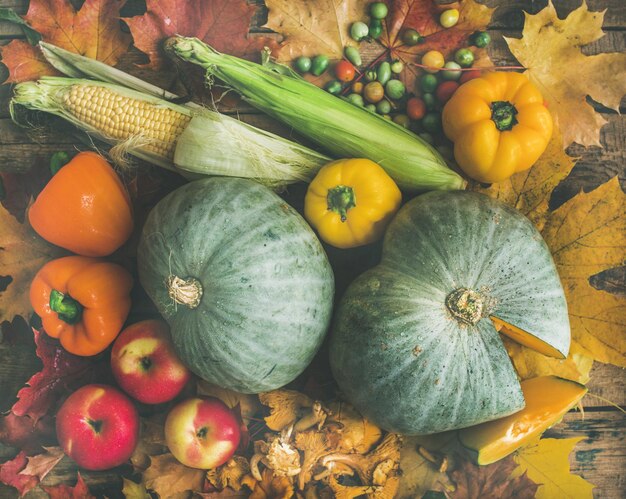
point(186, 138)
point(120, 117)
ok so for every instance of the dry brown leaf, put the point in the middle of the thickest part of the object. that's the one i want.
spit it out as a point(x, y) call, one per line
point(22, 254)
point(133, 490)
point(312, 28)
point(493, 481)
point(167, 477)
point(41, 464)
point(550, 50)
point(547, 463)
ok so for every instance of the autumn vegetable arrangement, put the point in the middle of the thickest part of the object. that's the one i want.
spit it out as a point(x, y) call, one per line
point(226, 389)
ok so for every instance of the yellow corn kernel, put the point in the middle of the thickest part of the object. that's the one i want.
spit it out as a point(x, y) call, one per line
point(121, 118)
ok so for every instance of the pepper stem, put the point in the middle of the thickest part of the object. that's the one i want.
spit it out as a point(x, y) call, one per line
point(340, 199)
point(66, 307)
point(503, 115)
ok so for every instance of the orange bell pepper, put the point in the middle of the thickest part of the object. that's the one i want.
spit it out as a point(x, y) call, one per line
point(499, 125)
point(82, 301)
point(84, 208)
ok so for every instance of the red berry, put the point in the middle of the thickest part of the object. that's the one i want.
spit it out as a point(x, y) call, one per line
point(415, 108)
point(445, 90)
point(344, 71)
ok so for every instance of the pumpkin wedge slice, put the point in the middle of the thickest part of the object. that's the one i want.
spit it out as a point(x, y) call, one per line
point(548, 398)
point(531, 341)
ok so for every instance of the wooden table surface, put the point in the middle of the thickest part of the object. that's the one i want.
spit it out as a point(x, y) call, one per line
point(601, 456)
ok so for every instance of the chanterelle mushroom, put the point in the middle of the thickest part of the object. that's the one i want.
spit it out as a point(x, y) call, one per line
point(348, 431)
point(278, 454)
point(379, 468)
point(229, 474)
point(286, 407)
point(314, 445)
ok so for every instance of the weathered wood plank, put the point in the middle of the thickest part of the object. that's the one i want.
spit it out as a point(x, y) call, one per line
point(600, 457)
point(607, 386)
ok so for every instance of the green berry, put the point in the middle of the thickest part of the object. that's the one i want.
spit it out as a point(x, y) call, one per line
point(359, 31)
point(428, 83)
point(333, 87)
point(397, 67)
point(376, 28)
point(356, 99)
point(352, 54)
point(384, 72)
point(394, 89)
point(480, 39)
point(378, 10)
point(430, 101)
point(319, 64)
point(464, 57)
point(411, 37)
point(432, 122)
point(303, 64)
point(454, 74)
point(383, 107)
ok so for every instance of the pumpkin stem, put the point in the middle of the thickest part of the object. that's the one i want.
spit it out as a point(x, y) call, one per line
point(186, 292)
point(66, 307)
point(466, 305)
point(503, 115)
point(340, 199)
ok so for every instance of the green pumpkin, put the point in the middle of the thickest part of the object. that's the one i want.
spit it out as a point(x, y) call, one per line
point(414, 346)
point(241, 279)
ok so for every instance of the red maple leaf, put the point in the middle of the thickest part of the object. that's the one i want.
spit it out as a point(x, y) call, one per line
point(93, 31)
point(79, 491)
point(223, 24)
point(25, 433)
point(10, 474)
point(62, 373)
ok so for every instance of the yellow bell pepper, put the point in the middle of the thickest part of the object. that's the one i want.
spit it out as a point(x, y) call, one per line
point(499, 125)
point(350, 202)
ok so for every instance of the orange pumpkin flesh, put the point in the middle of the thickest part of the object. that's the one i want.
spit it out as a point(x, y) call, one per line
point(525, 338)
point(548, 398)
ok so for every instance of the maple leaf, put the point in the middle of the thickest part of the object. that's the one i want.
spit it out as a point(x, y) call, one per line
point(133, 490)
point(311, 30)
point(20, 188)
point(167, 477)
point(79, 491)
point(550, 50)
point(62, 373)
point(41, 464)
point(10, 474)
point(547, 463)
point(25, 433)
point(586, 237)
point(25, 62)
point(492, 482)
point(22, 254)
point(223, 24)
point(152, 441)
point(93, 31)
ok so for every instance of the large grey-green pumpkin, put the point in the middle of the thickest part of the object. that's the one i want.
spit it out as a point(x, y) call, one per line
point(413, 346)
point(241, 279)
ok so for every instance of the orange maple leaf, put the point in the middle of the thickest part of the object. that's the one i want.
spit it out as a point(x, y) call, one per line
point(93, 31)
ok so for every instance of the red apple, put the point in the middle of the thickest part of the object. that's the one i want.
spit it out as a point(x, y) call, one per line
point(145, 364)
point(202, 432)
point(98, 427)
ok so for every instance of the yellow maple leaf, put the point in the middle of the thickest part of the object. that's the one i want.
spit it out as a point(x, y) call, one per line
point(312, 28)
point(550, 50)
point(22, 254)
point(547, 463)
point(587, 235)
